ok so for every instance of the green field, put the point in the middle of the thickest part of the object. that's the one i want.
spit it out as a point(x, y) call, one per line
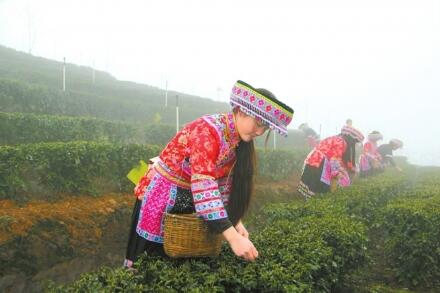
point(65, 201)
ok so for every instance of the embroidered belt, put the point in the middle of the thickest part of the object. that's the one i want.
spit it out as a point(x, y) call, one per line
point(169, 174)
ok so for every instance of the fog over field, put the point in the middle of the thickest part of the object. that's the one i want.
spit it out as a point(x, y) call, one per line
point(376, 62)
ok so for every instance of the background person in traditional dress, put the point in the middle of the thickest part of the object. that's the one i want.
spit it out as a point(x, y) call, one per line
point(370, 159)
point(311, 135)
point(332, 158)
point(207, 168)
point(386, 152)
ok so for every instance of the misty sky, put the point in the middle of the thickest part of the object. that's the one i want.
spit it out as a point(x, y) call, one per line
point(377, 62)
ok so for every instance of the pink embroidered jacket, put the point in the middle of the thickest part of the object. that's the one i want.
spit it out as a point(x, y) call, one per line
point(331, 150)
point(200, 158)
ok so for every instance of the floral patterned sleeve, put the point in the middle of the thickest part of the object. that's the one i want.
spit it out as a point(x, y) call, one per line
point(338, 168)
point(208, 202)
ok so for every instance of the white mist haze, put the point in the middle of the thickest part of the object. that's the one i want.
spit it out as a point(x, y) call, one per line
point(376, 62)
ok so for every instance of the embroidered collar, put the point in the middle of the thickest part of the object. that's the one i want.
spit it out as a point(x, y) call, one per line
point(231, 130)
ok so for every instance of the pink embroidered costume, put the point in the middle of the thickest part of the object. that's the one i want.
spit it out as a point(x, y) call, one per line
point(200, 158)
point(369, 161)
point(333, 157)
point(195, 170)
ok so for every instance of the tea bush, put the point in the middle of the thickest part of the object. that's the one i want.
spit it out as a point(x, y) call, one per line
point(297, 254)
point(19, 128)
point(413, 239)
point(276, 165)
point(74, 167)
point(85, 167)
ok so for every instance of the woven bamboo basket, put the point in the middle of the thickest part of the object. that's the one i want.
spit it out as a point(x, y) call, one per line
point(186, 235)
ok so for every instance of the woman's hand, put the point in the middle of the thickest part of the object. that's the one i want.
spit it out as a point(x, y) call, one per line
point(240, 245)
point(375, 164)
point(242, 230)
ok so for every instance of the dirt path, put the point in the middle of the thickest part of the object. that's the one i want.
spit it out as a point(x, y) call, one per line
point(76, 212)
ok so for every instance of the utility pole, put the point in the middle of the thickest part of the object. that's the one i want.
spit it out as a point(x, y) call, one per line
point(31, 38)
point(177, 113)
point(64, 74)
point(274, 140)
point(93, 72)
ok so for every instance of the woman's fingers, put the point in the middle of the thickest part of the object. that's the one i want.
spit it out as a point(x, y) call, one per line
point(251, 255)
point(256, 252)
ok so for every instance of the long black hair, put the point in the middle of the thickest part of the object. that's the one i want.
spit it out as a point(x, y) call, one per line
point(349, 155)
point(242, 181)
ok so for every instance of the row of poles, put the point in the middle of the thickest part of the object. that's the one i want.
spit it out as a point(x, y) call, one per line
point(93, 81)
point(166, 98)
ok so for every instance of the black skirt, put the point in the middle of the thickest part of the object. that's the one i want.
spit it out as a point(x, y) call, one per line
point(311, 181)
point(138, 245)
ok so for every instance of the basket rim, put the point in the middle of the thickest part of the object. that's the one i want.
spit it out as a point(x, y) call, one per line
point(184, 216)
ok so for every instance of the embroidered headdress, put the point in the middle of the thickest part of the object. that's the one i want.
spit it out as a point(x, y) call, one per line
point(260, 105)
point(375, 136)
point(353, 132)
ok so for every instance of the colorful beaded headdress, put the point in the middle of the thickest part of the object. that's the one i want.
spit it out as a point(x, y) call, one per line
point(275, 114)
point(353, 132)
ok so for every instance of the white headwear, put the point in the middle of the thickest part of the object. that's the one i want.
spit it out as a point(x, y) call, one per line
point(375, 136)
point(397, 142)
